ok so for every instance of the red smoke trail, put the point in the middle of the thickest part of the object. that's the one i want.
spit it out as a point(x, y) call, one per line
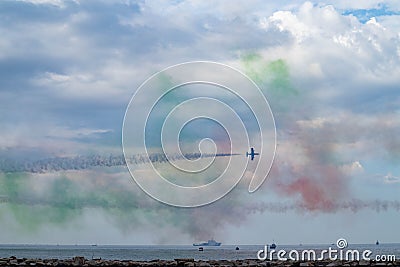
point(311, 193)
point(318, 187)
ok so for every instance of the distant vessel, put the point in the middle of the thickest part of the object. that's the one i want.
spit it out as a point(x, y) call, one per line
point(209, 243)
point(272, 246)
point(377, 242)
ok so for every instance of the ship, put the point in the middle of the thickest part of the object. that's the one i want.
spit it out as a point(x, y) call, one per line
point(209, 243)
point(273, 245)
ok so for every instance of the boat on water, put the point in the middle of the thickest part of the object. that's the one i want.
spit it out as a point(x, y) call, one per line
point(272, 246)
point(209, 243)
point(377, 242)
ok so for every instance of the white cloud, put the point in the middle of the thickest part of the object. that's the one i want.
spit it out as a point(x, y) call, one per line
point(313, 123)
point(107, 84)
point(353, 168)
point(57, 3)
point(63, 132)
point(391, 179)
point(335, 59)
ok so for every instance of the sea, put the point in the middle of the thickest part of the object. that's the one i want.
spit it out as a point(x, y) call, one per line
point(171, 252)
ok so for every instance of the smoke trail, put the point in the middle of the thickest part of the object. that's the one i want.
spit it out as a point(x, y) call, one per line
point(85, 162)
point(305, 163)
point(58, 200)
point(307, 167)
point(312, 150)
point(353, 205)
point(212, 220)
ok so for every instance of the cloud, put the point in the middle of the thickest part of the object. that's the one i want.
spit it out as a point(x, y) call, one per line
point(329, 70)
point(76, 133)
point(57, 3)
point(391, 179)
point(87, 58)
point(81, 86)
point(353, 168)
point(85, 66)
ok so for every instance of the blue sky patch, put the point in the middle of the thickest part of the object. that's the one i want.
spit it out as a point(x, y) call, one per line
point(364, 15)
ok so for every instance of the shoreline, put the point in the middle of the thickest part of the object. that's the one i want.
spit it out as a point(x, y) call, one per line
point(81, 261)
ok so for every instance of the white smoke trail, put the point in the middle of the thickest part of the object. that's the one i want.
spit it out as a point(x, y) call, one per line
point(85, 162)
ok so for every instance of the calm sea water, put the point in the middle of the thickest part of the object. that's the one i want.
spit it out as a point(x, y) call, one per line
point(145, 253)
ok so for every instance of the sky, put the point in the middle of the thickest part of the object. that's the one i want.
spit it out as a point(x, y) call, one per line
point(330, 71)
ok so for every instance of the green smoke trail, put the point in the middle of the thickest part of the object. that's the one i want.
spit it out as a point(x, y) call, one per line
point(63, 200)
point(15, 188)
point(60, 198)
point(31, 211)
point(253, 67)
point(273, 77)
point(280, 79)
